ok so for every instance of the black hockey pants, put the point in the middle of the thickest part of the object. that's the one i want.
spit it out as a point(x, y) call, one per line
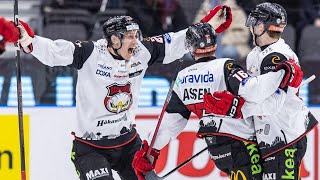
point(239, 160)
point(96, 163)
point(285, 164)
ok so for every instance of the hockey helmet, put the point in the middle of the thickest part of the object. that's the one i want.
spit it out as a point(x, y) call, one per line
point(272, 15)
point(118, 25)
point(200, 38)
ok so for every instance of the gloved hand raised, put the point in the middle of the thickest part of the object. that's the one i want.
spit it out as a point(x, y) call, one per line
point(224, 103)
point(293, 74)
point(8, 33)
point(219, 18)
point(141, 163)
point(26, 37)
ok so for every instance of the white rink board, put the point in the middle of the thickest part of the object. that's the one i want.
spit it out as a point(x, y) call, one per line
point(50, 146)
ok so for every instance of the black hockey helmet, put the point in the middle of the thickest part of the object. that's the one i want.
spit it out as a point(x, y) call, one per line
point(200, 38)
point(118, 25)
point(272, 15)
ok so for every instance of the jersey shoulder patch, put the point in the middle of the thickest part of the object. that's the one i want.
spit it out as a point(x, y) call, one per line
point(156, 48)
point(270, 62)
point(234, 75)
point(158, 39)
point(83, 49)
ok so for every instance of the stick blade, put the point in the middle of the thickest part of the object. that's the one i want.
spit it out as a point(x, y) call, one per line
point(151, 175)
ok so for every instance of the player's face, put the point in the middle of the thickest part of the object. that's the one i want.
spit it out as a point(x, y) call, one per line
point(256, 31)
point(129, 43)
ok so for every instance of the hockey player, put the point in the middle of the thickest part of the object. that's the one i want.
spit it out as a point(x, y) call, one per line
point(8, 33)
point(110, 72)
point(281, 127)
point(231, 142)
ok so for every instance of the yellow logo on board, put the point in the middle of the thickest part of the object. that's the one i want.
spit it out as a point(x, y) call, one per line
point(10, 167)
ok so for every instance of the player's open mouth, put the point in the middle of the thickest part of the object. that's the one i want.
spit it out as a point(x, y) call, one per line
point(130, 51)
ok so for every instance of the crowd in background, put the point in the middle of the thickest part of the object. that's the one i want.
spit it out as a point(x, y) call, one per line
point(158, 16)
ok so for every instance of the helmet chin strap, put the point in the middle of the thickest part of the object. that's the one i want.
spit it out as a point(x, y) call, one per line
point(115, 50)
point(256, 36)
point(117, 53)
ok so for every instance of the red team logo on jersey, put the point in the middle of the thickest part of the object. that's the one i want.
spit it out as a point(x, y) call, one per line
point(119, 98)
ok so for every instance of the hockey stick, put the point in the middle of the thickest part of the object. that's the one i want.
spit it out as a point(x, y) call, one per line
point(19, 95)
point(151, 175)
point(164, 108)
point(311, 78)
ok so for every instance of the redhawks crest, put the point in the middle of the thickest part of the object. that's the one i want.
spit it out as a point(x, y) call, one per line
point(119, 97)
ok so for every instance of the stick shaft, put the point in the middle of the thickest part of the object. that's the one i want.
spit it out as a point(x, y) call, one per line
point(19, 95)
point(185, 162)
point(151, 175)
point(164, 108)
point(308, 80)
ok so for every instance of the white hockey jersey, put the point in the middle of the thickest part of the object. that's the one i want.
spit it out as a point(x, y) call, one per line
point(107, 90)
point(207, 76)
point(286, 120)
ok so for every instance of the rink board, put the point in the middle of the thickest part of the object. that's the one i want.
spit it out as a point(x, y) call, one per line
point(47, 133)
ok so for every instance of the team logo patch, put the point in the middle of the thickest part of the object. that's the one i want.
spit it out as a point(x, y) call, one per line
point(119, 98)
point(275, 59)
point(229, 66)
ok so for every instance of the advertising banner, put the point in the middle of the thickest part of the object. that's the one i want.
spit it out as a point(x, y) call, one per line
point(48, 142)
point(10, 149)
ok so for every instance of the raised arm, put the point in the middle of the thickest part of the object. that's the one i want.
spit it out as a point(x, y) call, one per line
point(166, 48)
point(170, 46)
point(54, 53)
point(253, 91)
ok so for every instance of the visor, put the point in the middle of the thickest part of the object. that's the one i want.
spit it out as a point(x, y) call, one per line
point(251, 21)
point(133, 27)
point(137, 35)
point(190, 48)
point(254, 17)
point(187, 45)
